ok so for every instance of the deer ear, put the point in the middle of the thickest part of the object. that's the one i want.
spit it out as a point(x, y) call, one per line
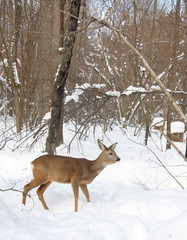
point(101, 145)
point(113, 146)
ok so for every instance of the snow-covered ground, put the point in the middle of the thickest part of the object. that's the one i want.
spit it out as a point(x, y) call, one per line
point(135, 199)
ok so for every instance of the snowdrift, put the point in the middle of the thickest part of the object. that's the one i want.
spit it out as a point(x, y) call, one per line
point(135, 199)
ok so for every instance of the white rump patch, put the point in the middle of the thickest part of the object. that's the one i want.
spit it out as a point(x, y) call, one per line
point(32, 166)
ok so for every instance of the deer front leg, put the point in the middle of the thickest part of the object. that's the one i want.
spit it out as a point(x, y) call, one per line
point(75, 187)
point(85, 191)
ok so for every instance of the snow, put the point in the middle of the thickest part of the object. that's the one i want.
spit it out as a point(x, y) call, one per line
point(15, 73)
point(161, 75)
point(142, 69)
point(135, 89)
point(158, 121)
point(135, 199)
point(113, 93)
point(75, 96)
point(99, 86)
point(4, 62)
point(79, 90)
point(47, 116)
point(108, 65)
point(3, 80)
point(177, 127)
point(61, 49)
point(132, 89)
point(155, 88)
point(180, 57)
point(57, 73)
point(102, 13)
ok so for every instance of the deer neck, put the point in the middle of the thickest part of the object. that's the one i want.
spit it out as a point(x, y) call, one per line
point(98, 165)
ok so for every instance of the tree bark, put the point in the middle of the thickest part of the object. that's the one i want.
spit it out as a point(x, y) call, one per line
point(171, 79)
point(149, 107)
point(186, 148)
point(47, 57)
point(13, 64)
point(184, 104)
point(61, 77)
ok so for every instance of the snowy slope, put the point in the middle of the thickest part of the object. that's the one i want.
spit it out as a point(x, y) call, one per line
point(135, 199)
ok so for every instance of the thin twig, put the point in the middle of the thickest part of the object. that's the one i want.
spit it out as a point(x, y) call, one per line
point(157, 159)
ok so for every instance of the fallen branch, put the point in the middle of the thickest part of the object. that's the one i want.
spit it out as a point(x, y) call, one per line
point(16, 190)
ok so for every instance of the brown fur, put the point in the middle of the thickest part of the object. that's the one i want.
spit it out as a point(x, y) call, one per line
point(77, 171)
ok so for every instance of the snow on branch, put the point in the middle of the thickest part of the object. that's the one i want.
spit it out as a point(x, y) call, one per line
point(81, 89)
point(113, 93)
point(124, 40)
point(15, 74)
point(97, 70)
point(57, 73)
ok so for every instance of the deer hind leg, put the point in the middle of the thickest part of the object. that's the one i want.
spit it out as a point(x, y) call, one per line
point(40, 193)
point(85, 191)
point(27, 188)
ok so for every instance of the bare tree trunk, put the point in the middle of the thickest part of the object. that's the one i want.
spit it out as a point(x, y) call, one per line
point(61, 77)
point(174, 48)
point(184, 102)
point(47, 55)
point(13, 63)
point(149, 107)
point(62, 4)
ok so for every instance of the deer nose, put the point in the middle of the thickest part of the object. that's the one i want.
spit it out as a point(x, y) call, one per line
point(118, 159)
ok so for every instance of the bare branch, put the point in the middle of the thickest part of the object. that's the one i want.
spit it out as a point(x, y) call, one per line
point(121, 37)
point(161, 163)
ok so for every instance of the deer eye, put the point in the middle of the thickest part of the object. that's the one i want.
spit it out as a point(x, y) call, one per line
point(111, 153)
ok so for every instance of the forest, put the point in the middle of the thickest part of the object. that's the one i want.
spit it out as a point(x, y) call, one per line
point(106, 83)
point(79, 76)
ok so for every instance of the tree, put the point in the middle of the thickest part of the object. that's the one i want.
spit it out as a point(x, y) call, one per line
point(184, 108)
point(149, 107)
point(98, 59)
point(172, 75)
point(47, 55)
point(61, 77)
point(108, 61)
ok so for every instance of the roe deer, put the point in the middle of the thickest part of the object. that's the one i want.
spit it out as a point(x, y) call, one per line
point(77, 171)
